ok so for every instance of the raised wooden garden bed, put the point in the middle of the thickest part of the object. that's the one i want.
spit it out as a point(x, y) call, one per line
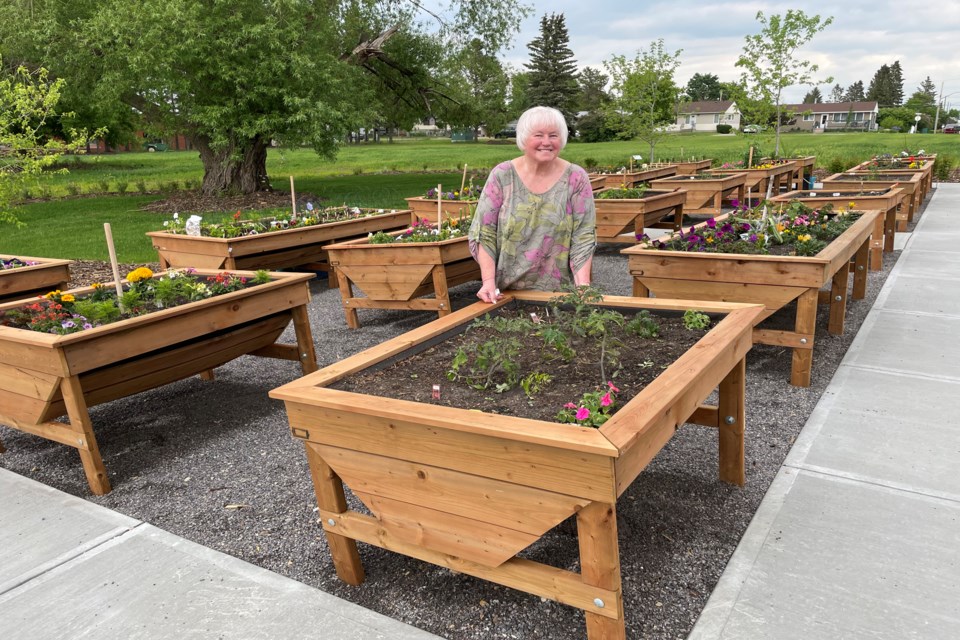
point(633, 178)
point(802, 174)
point(886, 200)
point(758, 180)
point(622, 220)
point(901, 165)
point(910, 183)
point(470, 490)
point(424, 207)
point(43, 376)
point(770, 280)
point(705, 192)
point(297, 247)
point(686, 167)
point(597, 182)
point(397, 276)
point(47, 275)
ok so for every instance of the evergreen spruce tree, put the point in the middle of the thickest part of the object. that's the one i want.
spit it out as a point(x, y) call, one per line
point(929, 88)
point(836, 94)
point(880, 87)
point(552, 69)
point(896, 84)
point(813, 96)
point(855, 93)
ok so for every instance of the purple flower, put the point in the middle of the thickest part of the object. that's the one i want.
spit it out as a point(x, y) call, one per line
point(753, 237)
point(735, 204)
point(68, 324)
point(746, 226)
point(711, 223)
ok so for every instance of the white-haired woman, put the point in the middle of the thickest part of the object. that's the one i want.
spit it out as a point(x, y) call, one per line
point(535, 224)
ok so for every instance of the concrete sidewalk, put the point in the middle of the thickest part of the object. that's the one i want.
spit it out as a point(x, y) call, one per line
point(859, 534)
point(72, 569)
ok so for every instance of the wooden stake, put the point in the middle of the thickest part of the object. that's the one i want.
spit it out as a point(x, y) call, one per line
point(439, 206)
point(463, 180)
point(631, 164)
point(750, 158)
point(293, 200)
point(113, 260)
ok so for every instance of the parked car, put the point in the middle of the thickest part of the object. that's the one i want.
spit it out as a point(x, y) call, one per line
point(506, 132)
point(155, 146)
point(752, 128)
point(951, 128)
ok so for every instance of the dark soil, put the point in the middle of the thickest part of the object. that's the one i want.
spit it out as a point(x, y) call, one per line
point(196, 202)
point(641, 361)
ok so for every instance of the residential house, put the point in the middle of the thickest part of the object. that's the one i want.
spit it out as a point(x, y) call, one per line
point(825, 116)
point(705, 115)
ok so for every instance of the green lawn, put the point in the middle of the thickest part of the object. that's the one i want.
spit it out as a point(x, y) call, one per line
point(369, 175)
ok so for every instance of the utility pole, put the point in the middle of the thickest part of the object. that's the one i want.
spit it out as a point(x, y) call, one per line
point(936, 119)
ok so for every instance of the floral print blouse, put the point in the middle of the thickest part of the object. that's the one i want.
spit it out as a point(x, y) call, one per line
point(537, 241)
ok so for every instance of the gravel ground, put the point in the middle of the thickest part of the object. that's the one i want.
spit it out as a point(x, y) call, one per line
point(214, 463)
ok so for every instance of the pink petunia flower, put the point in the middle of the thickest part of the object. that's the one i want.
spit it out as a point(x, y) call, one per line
point(606, 400)
point(612, 388)
point(569, 405)
point(583, 413)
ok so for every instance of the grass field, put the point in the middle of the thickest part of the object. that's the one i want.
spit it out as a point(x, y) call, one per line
point(69, 224)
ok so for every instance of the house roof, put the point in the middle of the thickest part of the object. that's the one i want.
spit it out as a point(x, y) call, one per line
point(833, 107)
point(706, 106)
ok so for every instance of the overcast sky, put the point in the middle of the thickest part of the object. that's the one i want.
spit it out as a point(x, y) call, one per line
point(924, 38)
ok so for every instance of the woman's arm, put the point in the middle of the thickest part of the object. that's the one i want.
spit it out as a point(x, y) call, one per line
point(583, 241)
point(483, 235)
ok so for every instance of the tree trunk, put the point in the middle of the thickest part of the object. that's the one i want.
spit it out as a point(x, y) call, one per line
point(239, 168)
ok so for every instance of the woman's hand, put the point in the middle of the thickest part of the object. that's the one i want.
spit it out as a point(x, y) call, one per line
point(489, 292)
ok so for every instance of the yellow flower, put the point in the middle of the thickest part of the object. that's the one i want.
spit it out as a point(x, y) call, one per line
point(853, 204)
point(52, 294)
point(139, 274)
point(67, 297)
point(97, 285)
point(803, 238)
point(710, 240)
point(780, 226)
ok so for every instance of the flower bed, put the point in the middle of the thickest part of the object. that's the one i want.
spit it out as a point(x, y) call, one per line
point(272, 243)
point(470, 489)
point(908, 164)
point(26, 276)
point(46, 375)
point(397, 274)
point(705, 192)
point(910, 183)
point(760, 177)
point(802, 173)
point(686, 167)
point(772, 280)
point(622, 220)
point(886, 200)
point(453, 204)
point(625, 178)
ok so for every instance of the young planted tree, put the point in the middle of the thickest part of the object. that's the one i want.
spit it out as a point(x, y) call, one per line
point(771, 63)
point(552, 70)
point(234, 76)
point(644, 94)
point(28, 104)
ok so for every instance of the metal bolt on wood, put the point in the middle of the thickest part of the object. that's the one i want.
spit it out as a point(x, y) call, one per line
point(803, 341)
point(729, 420)
point(331, 522)
point(598, 602)
point(838, 298)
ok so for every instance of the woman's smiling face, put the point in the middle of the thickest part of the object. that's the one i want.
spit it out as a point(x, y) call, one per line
point(543, 144)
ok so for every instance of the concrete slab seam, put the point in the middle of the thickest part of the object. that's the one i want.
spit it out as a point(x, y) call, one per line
point(53, 570)
point(904, 372)
point(716, 614)
point(860, 478)
point(817, 418)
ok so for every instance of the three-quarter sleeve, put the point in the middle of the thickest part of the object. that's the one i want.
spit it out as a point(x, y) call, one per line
point(484, 228)
point(581, 207)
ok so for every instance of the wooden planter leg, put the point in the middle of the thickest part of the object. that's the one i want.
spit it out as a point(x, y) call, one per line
point(86, 444)
point(639, 289)
point(732, 416)
point(346, 292)
point(860, 272)
point(889, 229)
point(330, 497)
point(838, 299)
point(600, 566)
point(440, 289)
point(876, 245)
point(806, 324)
point(301, 327)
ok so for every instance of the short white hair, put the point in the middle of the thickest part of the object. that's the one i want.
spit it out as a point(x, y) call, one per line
point(539, 116)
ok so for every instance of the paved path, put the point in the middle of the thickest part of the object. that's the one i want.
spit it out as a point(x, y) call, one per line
point(859, 534)
point(71, 569)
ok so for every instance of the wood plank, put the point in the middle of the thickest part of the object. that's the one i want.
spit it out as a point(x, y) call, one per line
point(26, 382)
point(505, 504)
point(524, 575)
point(772, 297)
point(600, 566)
point(182, 259)
point(732, 425)
point(475, 540)
point(333, 503)
point(387, 282)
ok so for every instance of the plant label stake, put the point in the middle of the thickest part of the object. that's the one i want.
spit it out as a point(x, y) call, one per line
point(436, 392)
point(439, 207)
point(463, 180)
point(293, 201)
point(113, 260)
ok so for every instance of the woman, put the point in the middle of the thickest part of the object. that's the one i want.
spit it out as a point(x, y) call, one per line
point(535, 224)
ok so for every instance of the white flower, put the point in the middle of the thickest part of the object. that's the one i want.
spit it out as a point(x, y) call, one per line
point(379, 210)
point(176, 216)
point(166, 223)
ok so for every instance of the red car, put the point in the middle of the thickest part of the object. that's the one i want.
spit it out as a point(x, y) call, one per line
point(951, 128)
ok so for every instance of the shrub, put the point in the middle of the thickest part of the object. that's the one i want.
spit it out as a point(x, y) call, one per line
point(104, 185)
point(724, 128)
point(122, 186)
point(73, 189)
point(943, 167)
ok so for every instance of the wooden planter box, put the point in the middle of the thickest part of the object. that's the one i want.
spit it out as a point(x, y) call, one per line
point(632, 178)
point(705, 192)
point(910, 183)
point(926, 167)
point(881, 240)
point(757, 180)
point(425, 208)
point(688, 167)
point(396, 276)
point(622, 220)
point(302, 247)
point(28, 282)
point(470, 490)
point(43, 376)
point(597, 182)
point(773, 281)
point(803, 170)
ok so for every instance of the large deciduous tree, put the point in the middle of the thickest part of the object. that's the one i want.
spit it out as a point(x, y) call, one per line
point(552, 80)
point(233, 75)
point(771, 62)
point(644, 93)
point(704, 86)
